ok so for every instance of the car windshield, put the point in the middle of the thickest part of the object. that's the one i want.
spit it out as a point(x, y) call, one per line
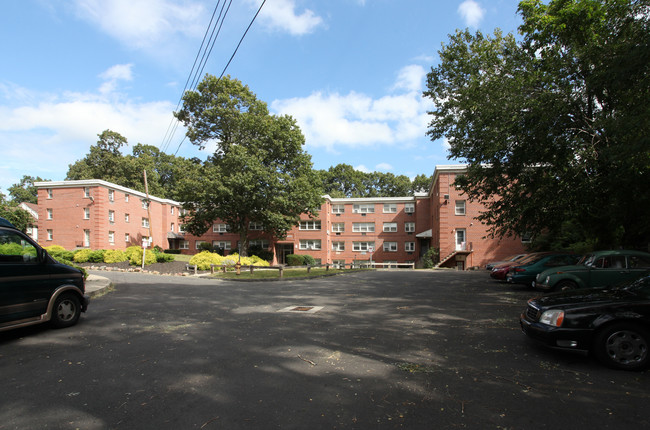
point(640, 286)
point(586, 260)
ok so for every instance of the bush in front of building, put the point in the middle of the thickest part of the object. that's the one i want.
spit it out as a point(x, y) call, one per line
point(59, 253)
point(204, 259)
point(262, 253)
point(172, 251)
point(161, 257)
point(300, 260)
point(431, 258)
point(81, 256)
point(115, 256)
point(134, 254)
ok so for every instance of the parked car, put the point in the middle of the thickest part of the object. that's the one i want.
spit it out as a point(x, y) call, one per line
point(595, 270)
point(35, 288)
point(499, 272)
point(491, 265)
point(613, 323)
point(525, 273)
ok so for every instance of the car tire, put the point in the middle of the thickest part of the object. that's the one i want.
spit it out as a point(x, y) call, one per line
point(565, 285)
point(66, 311)
point(623, 346)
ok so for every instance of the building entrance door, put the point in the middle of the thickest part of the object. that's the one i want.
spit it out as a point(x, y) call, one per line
point(461, 240)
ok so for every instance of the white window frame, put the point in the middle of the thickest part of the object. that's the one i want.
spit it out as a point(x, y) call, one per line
point(460, 207)
point(145, 204)
point(86, 213)
point(49, 193)
point(338, 227)
point(198, 243)
point(314, 244)
point(409, 208)
point(338, 209)
point(220, 228)
point(50, 213)
point(127, 237)
point(256, 226)
point(223, 244)
point(390, 208)
point(310, 225)
point(390, 247)
point(184, 244)
point(362, 246)
point(111, 237)
point(409, 246)
point(50, 234)
point(127, 218)
point(111, 216)
point(111, 195)
point(409, 227)
point(259, 242)
point(364, 208)
point(145, 222)
point(363, 227)
point(86, 192)
point(338, 246)
point(126, 198)
point(390, 227)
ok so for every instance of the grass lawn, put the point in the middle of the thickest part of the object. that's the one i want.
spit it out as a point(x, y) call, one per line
point(181, 257)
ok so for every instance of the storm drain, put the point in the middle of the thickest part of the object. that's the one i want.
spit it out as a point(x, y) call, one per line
point(302, 309)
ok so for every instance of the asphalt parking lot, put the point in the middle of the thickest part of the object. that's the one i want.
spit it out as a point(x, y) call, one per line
point(371, 350)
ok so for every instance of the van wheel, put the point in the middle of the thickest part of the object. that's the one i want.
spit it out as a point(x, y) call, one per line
point(66, 312)
point(622, 346)
point(565, 285)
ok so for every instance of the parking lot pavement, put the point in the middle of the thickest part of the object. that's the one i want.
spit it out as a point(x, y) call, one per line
point(411, 349)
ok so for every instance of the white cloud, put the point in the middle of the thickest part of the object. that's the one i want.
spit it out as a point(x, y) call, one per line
point(282, 15)
point(383, 167)
point(362, 168)
point(471, 12)
point(144, 23)
point(119, 72)
point(355, 120)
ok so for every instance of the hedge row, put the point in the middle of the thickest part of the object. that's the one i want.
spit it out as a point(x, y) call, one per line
point(132, 254)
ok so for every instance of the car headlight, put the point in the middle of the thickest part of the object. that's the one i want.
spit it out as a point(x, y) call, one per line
point(554, 318)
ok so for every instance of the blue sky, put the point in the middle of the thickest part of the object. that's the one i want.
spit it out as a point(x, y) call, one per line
point(351, 72)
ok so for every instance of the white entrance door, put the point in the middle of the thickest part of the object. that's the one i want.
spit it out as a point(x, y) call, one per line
point(460, 239)
point(87, 238)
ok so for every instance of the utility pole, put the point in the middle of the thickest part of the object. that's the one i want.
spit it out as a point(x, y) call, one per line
point(146, 191)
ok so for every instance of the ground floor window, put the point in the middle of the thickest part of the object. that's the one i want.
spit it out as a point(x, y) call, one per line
point(390, 246)
point(363, 246)
point(222, 244)
point(409, 246)
point(310, 244)
point(184, 244)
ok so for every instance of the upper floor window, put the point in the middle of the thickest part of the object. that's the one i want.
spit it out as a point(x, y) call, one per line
point(338, 227)
point(409, 208)
point(310, 225)
point(111, 216)
point(145, 204)
point(172, 210)
point(86, 213)
point(364, 209)
point(409, 227)
point(363, 246)
point(390, 227)
point(86, 192)
point(172, 226)
point(145, 222)
point(49, 193)
point(338, 209)
point(126, 218)
point(363, 227)
point(220, 228)
point(460, 207)
point(310, 244)
point(49, 213)
point(126, 198)
point(390, 246)
point(253, 225)
point(390, 208)
point(111, 195)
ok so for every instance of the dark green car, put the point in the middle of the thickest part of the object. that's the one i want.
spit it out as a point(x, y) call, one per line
point(35, 288)
point(595, 270)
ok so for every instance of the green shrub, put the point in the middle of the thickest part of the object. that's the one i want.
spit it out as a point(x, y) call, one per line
point(431, 258)
point(82, 256)
point(115, 256)
point(295, 260)
point(172, 251)
point(309, 260)
point(161, 257)
point(96, 256)
point(59, 253)
point(204, 259)
point(134, 254)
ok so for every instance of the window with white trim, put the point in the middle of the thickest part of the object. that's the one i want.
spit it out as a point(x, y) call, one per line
point(368, 208)
point(338, 246)
point(50, 213)
point(172, 210)
point(390, 246)
point(86, 213)
point(262, 243)
point(460, 207)
point(310, 225)
point(220, 228)
point(338, 209)
point(86, 192)
point(111, 237)
point(172, 227)
point(409, 246)
point(338, 227)
point(363, 227)
point(409, 208)
point(223, 244)
point(310, 244)
point(49, 193)
point(363, 246)
point(145, 204)
point(111, 216)
point(127, 238)
point(409, 227)
point(184, 244)
point(127, 218)
point(180, 228)
point(111, 195)
point(390, 208)
point(390, 227)
point(145, 222)
point(198, 244)
point(254, 225)
point(126, 198)
point(50, 234)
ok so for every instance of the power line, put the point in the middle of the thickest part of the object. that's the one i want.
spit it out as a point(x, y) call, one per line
point(229, 61)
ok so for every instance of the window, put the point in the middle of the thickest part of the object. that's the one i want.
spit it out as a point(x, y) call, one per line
point(145, 222)
point(338, 264)
point(50, 234)
point(390, 246)
point(220, 228)
point(111, 216)
point(363, 227)
point(363, 246)
point(364, 209)
point(460, 207)
point(390, 227)
point(172, 210)
point(49, 193)
point(262, 243)
point(126, 217)
point(338, 246)
point(409, 246)
point(198, 244)
point(409, 227)
point(111, 195)
point(409, 208)
point(145, 204)
point(86, 213)
point(310, 225)
point(49, 213)
point(87, 238)
point(253, 225)
point(338, 209)
point(310, 244)
point(126, 198)
point(15, 250)
point(127, 238)
point(638, 262)
point(184, 244)
point(172, 227)
point(180, 228)
point(86, 192)
point(390, 208)
point(111, 237)
point(223, 244)
point(338, 227)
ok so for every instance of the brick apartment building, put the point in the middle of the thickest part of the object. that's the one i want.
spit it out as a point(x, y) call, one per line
point(387, 230)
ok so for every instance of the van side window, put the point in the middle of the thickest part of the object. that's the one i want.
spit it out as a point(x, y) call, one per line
point(15, 249)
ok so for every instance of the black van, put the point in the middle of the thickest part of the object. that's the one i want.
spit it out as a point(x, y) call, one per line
point(35, 288)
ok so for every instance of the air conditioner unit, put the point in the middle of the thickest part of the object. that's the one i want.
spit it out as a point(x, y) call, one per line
point(446, 196)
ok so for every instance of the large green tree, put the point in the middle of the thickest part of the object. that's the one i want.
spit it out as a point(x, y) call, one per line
point(12, 212)
point(258, 172)
point(554, 126)
point(25, 191)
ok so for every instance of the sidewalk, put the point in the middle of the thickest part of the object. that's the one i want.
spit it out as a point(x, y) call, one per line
point(95, 285)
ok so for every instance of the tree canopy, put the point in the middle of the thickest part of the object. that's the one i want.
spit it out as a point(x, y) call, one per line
point(25, 191)
point(554, 127)
point(344, 180)
point(258, 171)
